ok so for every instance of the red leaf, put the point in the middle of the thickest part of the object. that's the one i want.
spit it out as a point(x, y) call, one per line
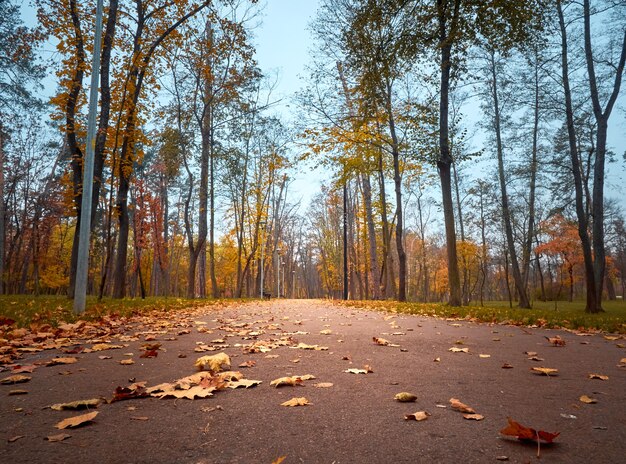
point(515, 429)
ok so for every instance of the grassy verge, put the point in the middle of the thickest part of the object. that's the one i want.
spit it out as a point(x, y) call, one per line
point(53, 310)
point(566, 315)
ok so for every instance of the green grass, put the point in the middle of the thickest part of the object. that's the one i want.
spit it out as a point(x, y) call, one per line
point(53, 310)
point(567, 315)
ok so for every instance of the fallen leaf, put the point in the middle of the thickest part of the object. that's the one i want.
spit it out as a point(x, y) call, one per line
point(437, 360)
point(586, 399)
point(23, 369)
point(136, 390)
point(149, 354)
point(190, 393)
point(383, 342)
point(105, 346)
point(612, 338)
point(304, 346)
point(127, 362)
point(507, 366)
point(476, 417)
point(484, 356)
point(326, 332)
point(356, 371)
point(622, 361)
point(457, 405)
point(323, 385)
point(57, 361)
point(104, 357)
point(279, 460)
point(302, 401)
point(15, 379)
point(544, 370)
point(454, 349)
point(244, 383)
point(248, 364)
point(599, 376)
point(15, 438)
point(405, 397)
point(57, 437)
point(556, 341)
point(290, 381)
point(139, 418)
point(530, 353)
point(213, 363)
point(76, 421)
point(417, 416)
point(18, 392)
point(81, 404)
point(515, 429)
point(535, 358)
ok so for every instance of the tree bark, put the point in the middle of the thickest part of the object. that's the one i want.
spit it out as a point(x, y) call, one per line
point(506, 212)
point(445, 159)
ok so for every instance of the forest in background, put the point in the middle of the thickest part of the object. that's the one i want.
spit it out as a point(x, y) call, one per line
point(432, 201)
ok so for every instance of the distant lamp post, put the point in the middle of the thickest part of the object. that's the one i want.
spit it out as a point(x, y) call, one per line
point(82, 265)
point(262, 229)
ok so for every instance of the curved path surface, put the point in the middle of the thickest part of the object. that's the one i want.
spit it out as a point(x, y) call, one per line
point(356, 420)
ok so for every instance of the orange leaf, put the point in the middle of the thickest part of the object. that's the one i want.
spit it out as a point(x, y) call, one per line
point(515, 429)
point(76, 420)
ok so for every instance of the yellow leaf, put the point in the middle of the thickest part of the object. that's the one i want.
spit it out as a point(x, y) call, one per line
point(599, 376)
point(15, 379)
point(326, 332)
point(190, 393)
point(405, 397)
point(105, 346)
point(76, 421)
point(544, 370)
point(127, 362)
point(484, 356)
point(81, 404)
point(279, 460)
point(213, 363)
point(476, 417)
point(244, 383)
point(417, 416)
point(291, 381)
point(588, 400)
point(302, 401)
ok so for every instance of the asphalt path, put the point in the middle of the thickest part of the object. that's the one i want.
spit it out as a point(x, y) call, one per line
point(354, 420)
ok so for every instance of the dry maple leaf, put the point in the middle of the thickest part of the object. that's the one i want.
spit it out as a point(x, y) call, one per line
point(57, 437)
point(588, 400)
point(417, 416)
point(127, 362)
point(17, 369)
point(301, 401)
point(290, 381)
point(454, 349)
point(76, 421)
point(323, 385)
point(191, 393)
point(57, 361)
point(383, 342)
point(81, 404)
point(149, 354)
point(15, 379)
point(476, 417)
point(544, 370)
point(136, 390)
point(105, 346)
point(515, 429)
point(213, 363)
point(599, 376)
point(457, 405)
point(248, 364)
point(556, 341)
point(356, 371)
point(279, 460)
point(244, 383)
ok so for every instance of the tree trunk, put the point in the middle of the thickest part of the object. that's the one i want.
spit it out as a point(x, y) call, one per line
point(602, 119)
point(445, 159)
point(592, 305)
point(506, 212)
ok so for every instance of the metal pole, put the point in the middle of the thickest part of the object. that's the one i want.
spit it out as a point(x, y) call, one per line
point(82, 267)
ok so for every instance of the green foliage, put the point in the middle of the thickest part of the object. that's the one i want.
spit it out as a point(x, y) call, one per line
point(569, 315)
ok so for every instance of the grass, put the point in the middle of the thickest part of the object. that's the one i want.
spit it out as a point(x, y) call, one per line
point(543, 314)
point(53, 310)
